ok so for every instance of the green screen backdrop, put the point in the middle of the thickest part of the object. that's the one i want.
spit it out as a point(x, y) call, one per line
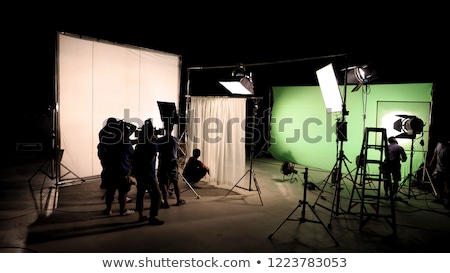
point(304, 133)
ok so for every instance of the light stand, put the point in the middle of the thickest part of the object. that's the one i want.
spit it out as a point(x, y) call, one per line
point(266, 146)
point(302, 218)
point(340, 160)
point(51, 168)
point(252, 152)
point(182, 148)
point(425, 172)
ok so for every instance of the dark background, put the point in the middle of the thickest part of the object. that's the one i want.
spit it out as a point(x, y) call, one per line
point(281, 45)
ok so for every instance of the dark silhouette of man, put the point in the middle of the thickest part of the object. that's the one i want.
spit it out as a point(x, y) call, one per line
point(168, 166)
point(396, 155)
point(195, 169)
point(144, 170)
point(115, 154)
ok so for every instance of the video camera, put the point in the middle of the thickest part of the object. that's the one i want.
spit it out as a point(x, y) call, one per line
point(169, 117)
point(143, 132)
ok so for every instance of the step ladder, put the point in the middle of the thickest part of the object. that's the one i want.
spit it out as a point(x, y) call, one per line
point(368, 189)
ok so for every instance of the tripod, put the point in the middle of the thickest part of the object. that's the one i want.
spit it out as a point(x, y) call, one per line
point(252, 152)
point(336, 178)
point(303, 219)
point(52, 169)
point(53, 164)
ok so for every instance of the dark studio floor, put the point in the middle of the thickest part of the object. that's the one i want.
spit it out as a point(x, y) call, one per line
point(219, 221)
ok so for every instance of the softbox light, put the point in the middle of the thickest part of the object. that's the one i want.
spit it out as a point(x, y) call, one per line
point(241, 83)
point(409, 126)
point(329, 88)
point(242, 86)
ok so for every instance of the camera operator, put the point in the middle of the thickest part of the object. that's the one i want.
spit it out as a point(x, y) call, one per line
point(143, 168)
point(168, 165)
point(114, 152)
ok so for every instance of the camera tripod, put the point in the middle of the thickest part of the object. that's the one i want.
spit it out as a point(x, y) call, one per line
point(302, 218)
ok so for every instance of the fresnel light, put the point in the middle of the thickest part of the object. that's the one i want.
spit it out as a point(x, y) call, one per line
point(408, 126)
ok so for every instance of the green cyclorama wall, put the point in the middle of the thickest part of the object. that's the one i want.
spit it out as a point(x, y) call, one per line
point(304, 133)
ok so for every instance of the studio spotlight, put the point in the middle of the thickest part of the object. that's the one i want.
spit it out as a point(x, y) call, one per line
point(409, 126)
point(360, 75)
point(241, 82)
point(288, 168)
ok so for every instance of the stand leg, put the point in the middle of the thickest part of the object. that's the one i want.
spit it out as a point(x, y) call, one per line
point(190, 186)
point(252, 176)
point(303, 219)
point(323, 188)
point(336, 171)
point(285, 220)
point(69, 171)
point(252, 154)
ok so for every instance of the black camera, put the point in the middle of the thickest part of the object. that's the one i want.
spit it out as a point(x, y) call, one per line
point(158, 132)
point(144, 131)
point(127, 128)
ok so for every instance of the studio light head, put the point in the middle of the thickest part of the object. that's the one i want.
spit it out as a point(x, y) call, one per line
point(288, 168)
point(360, 75)
point(240, 83)
point(409, 126)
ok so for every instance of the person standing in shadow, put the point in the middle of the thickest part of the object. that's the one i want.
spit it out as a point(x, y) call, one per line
point(441, 157)
point(144, 170)
point(106, 132)
point(396, 155)
point(195, 169)
point(115, 154)
point(168, 166)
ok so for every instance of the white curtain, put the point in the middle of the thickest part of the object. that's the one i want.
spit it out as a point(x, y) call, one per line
point(217, 127)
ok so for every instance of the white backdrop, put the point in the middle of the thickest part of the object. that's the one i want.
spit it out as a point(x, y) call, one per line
point(97, 80)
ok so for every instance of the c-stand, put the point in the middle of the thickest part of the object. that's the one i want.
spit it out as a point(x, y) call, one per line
point(302, 218)
point(252, 152)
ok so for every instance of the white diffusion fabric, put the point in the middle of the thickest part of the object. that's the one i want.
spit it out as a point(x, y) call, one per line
point(100, 80)
point(217, 128)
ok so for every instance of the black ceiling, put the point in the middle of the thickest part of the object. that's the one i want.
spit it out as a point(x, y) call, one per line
point(282, 45)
